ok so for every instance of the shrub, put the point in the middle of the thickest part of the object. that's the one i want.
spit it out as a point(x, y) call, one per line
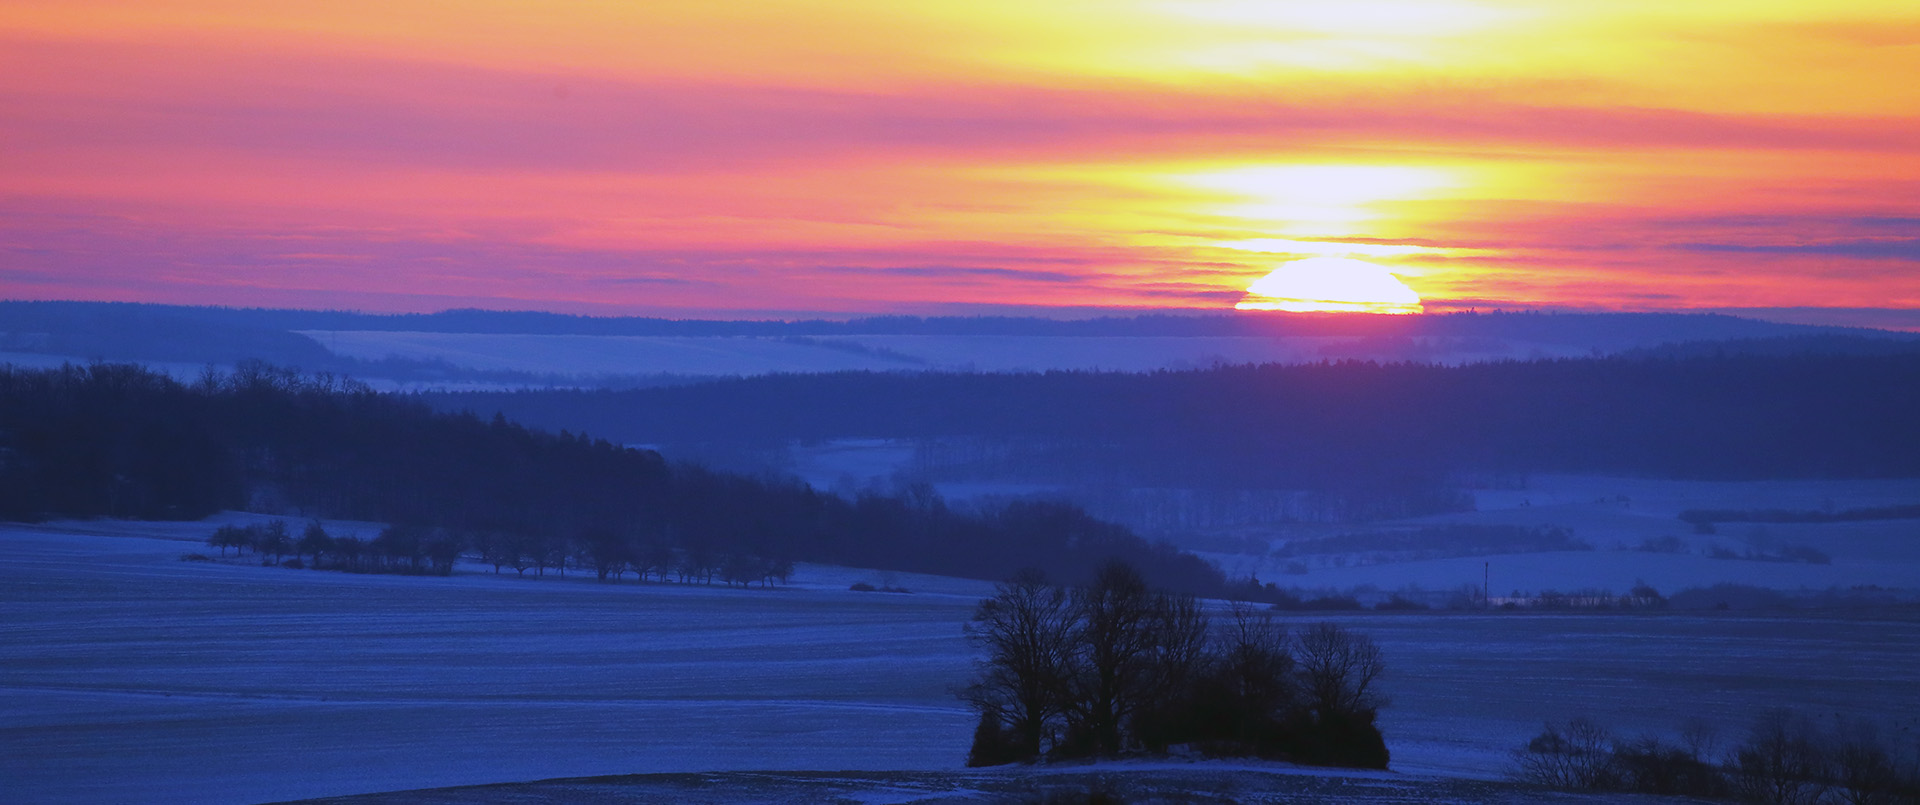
point(993, 745)
point(1650, 766)
point(1575, 755)
point(1782, 762)
point(1786, 759)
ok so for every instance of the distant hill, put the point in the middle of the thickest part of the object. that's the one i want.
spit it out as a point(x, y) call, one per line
point(526, 348)
point(1724, 416)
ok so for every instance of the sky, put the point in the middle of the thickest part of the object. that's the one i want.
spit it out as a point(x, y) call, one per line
point(919, 157)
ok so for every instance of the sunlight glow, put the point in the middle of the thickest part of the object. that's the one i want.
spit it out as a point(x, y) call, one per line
point(1331, 284)
point(1331, 248)
point(860, 156)
point(1367, 18)
point(1318, 199)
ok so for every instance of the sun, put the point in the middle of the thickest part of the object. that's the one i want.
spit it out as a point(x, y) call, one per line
point(1331, 284)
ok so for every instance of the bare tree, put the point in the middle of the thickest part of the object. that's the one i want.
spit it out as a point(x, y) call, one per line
point(1254, 667)
point(1861, 767)
point(605, 551)
point(1782, 761)
point(1575, 755)
point(1027, 632)
point(314, 540)
point(1176, 659)
point(275, 540)
point(1337, 671)
point(229, 536)
point(1111, 669)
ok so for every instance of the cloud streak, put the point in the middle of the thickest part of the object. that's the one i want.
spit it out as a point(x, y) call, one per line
point(1013, 155)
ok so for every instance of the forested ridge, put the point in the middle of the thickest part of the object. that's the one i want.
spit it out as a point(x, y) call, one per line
point(119, 441)
point(1719, 417)
point(1595, 329)
point(122, 331)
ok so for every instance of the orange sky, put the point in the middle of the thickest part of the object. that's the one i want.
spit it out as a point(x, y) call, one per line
point(622, 157)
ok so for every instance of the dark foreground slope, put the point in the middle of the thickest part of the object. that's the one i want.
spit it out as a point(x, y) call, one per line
point(1120, 782)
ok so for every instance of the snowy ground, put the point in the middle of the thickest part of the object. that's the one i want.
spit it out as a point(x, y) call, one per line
point(1615, 515)
point(1223, 782)
point(127, 675)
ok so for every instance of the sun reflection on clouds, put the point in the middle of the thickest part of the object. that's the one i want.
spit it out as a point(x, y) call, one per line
point(1372, 18)
point(1325, 200)
point(1254, 36)
point(1336, 248)
point(868, 155)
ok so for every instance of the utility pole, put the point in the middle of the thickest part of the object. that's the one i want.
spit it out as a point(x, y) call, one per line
point(1486, 585)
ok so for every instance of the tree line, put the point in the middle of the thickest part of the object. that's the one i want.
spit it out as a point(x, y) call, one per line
point(123, 323)
point(111, 440)
point(1786, 758)
point(1707, 517)
point(1344, 425)
point(1113, 666)
point(434, 551)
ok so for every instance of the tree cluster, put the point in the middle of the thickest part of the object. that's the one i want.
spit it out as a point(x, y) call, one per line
point(1113, 667)
point(120, 441)
point(1785, 759)
point(433, 551)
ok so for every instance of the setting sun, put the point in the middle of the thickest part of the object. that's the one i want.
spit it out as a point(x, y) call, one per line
point(1331, 284)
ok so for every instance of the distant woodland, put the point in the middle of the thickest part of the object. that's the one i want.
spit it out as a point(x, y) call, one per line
point(115, 331)
point(118, 441)
point(1352, 425)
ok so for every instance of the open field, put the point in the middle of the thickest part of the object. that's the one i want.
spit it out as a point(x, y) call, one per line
point(129, 676)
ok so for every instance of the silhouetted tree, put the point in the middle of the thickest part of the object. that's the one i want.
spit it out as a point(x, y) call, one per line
point(1783, 761)
point(1250, 690)
point(604, 550)
point(1027, 630)
point(314, 541)
point(351, 549)
point(228, 536)
point(1338, 669)
point(274, 540)
point(1109, 675)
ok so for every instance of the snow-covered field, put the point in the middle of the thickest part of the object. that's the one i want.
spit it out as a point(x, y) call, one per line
point(1617, 515)
point(586, 355)
point(127, 675)
point(1191, 781)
